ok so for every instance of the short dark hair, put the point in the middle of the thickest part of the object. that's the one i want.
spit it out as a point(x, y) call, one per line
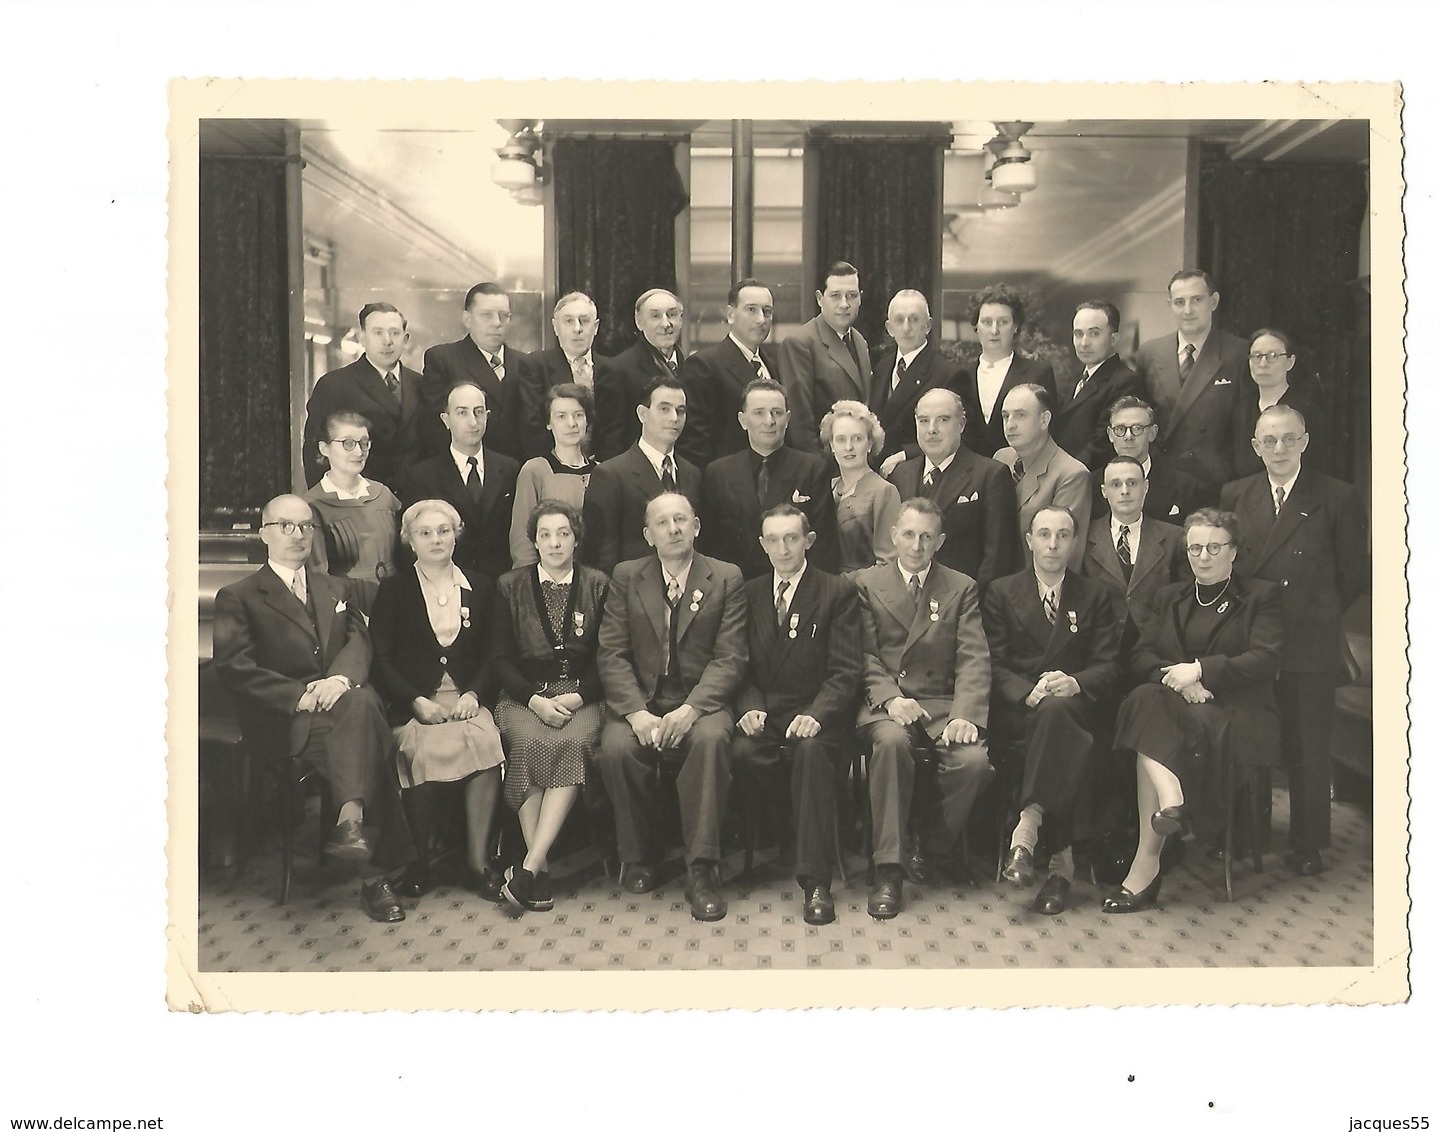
point(555, 507)
point(786, 511)
point(1060, 507)
point(762, 385)
point(1274, 332)
point(483, 289)
point(1129, 401)
point(733, 296)
point(838, 267)
point(1105, 467)
point(1043, 397)
point(1110, 310)
point(1227, 521)
point(381, 308)
point(1191, 273)
point(664, 381)
point(923, 505)
point(1000, 295)
point(576, 392)
point(344, 416)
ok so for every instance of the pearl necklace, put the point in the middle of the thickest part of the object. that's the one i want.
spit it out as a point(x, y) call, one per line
point(1213, 600)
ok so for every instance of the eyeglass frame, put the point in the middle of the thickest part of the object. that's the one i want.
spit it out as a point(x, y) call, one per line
point(1270, 443)
point(305, 526)
point(1193, 549)
point(1134, 431)
point(1271, 355)
point(350, 443)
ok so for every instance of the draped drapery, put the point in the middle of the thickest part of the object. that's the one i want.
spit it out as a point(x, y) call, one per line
point(1282, 242)
point(616, 200)
point(877, 207)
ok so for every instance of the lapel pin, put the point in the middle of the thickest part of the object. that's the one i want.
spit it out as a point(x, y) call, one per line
point(1224, 605)
point(934, 610)
point(579, 623)
point(1073, 627)
point(794, 624)
point(695, 601)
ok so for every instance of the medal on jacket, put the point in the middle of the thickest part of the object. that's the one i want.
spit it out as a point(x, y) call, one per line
point(934, 610)
point(579, 624)
point(1073, 627)
point(465, 616)
point(794, 624)
point(695, 601)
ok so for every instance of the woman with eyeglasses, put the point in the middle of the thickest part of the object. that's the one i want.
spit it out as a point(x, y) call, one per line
point(551, 705)
point(1207, 662)
point(428, 630)
point(356, 517)
point(1272, 364)
point(562, 474)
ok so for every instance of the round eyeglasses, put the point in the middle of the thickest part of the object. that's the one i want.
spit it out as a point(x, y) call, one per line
point(1214, 548)
point(1272, 442)
point(350, 444)
point(1121, 431)
point(288, 528)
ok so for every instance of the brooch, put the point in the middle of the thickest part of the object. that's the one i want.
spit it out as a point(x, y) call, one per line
point(465, 616)
point(1073, 627)
point(934, 610)
point(794, 624)
point(579, 623)
point(695, 601)
point(1224, 605)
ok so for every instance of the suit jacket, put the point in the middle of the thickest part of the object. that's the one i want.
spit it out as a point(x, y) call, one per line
point(896, 409)
point(1053, 478)
point(935, 653)
point(1239, 664)
point(813, 665)
point(1171, 496)
point(1197, 422)
point(551, 368)
point(615, 502)
point(818, 371)
point(1316, 549)
point(514, 428)
point(978, 500)
point(267, 650)
point(732, 507)
point(719, 374)
point(711, 644)
point(1079, 423)
point(484, 544)
point(618, 396)
point(987, 437)
point(410, 662)
point(1158, 561)
point(1084, 641)
point(401, 433)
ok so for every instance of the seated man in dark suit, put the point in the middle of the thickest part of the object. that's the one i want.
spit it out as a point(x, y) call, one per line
point(827, 359)
point(660, 318)
point(804, 680)
point(473, 479)
point(1170, 494)
point(401, 405)
point(739, 488)
point(1055, 649)
point(297, 657)
point(671, 659)
point(718, 374)
point(905, 371)
point(927, 686)
point(505, 375)
point(1082, 404)
point(1308, 532)
point(982, 535)
point(997, 314)
point(1135, 554)
point(1195, 378)
point(622, 486)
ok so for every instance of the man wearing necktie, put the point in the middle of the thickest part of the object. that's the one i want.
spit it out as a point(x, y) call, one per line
point(507, 376)
point(907, 369)
point(660, 321)
point(671, 657)
point(401, 405)
point(571, 360)
point(827, 359)
point(927, 690)
point(718, 374)
point(1043, 473)
point(1195, 378)
point(1308, 532)
point(1083, 401)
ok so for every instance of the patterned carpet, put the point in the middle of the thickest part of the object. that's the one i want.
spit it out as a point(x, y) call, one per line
point(1277, 920)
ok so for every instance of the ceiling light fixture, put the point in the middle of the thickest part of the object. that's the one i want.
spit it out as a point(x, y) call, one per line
point(1012, 171)
point(521, 164)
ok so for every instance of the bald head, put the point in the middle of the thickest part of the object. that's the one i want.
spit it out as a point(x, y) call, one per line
point(287, 548)
point(671, 527)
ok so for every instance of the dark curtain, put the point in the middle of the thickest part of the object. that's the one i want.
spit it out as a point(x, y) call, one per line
point(1282, 242)
point(244, 329)
point(615, 206)
point(877, 208)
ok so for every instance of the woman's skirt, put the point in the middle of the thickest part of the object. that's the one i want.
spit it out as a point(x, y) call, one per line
point(450, 751)
point(544, 757)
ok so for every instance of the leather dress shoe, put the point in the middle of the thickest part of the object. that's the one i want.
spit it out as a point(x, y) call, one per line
point(887, 895)
point(415, 882)
point(1170, 821)
point(1051, 899)
point(1020, 867)
point(819, 904)
point(638, 879)
point(485, 882)
point(1306, 864)
point(918, 869)
point(1124, 901)
point(380, 902)
point(702, 886)
point(347, 843)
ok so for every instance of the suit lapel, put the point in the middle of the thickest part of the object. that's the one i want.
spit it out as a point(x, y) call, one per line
point(1227, 609)
point(840, 355)
point(800, 614)
point(901, 402)
point(954, 482)
point(1207, 364)
point(325, 599)
point(1148, 555)
point(890, 592)
point(700, 579)
point(283, 601)
point(934, 590)
point(1032, 613)
point(1102, 550)
point(1296, 510)
point(460, 492)
point(490, 489)
point(650, 590)
point(1065, 616)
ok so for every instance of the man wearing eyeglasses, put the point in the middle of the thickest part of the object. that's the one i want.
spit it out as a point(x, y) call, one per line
point(1170, 494)
point(399, 403)
point(474, 479)
point(296, 656)
point(1194, 378)
point(1308, 532)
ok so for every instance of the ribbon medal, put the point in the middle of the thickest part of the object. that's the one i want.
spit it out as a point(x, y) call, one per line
point(695, 601)
point(465, 616)
point(934, 610)
point(1073, 627)
point(794, 624)
point(579, 624)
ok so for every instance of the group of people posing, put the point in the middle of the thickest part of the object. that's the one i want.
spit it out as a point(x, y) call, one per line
point(788, 558)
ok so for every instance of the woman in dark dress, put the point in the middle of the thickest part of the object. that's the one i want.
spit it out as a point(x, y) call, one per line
point(1272, 363)
point(428, 629)
point(550, 709)
point(564, 473)
point(1208, 660)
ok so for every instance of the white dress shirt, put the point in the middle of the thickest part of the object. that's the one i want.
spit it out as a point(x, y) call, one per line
point(544, 575)
point(362, 489)
point(287, 575)
point(462, 462)
point(775, 581)
point(1134, 534)
point(657, 459)
point(1288, 485)
point(989, 377)
point(938, 469)
point(752, 356)
point(905, 575)
point(909, 360)
point(1199, 345)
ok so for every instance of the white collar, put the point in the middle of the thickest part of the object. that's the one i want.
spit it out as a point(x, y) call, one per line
point(462, 461)
point(750, 355)
point(1134, 529)
point(457, 578)
point(1044, 589)
point(910, 357)
point(395, 369)
point(681, 578)
point(656, 457)
point(940, 467)
point(905, 575)
point(362, 490)
point(1005, 361)
point(1288, 485)
point(497, 357)
point(545, 577)
point(573, 362)
point(1199, 344)
point(775, 581)
point(287, 575)
point(1145, 466)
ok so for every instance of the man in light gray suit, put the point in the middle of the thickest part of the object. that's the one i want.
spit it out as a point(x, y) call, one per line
point(827, 359)
point(1045, 474)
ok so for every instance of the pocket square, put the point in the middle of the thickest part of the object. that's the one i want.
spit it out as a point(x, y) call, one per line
point(1174, 508)
point(340, 606)
point(798, 498)
point(971, 498)
point(1223, 381)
